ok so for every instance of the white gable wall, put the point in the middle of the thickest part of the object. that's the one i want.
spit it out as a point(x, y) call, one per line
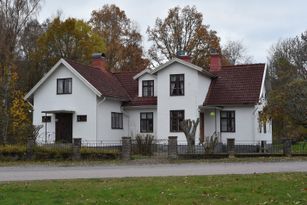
point(82, 101)
point(195, 90)
point(147, 76)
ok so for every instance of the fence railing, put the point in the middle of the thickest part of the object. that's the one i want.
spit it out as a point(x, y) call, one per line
point(170, 148)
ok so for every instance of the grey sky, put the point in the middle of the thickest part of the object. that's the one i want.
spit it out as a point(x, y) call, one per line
point(257, 23)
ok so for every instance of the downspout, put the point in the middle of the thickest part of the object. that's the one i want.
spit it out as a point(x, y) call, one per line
point(127, 115)
point(98, 104)
point(46, 128)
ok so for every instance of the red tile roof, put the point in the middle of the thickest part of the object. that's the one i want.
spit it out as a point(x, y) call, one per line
point(236, 85)
point(118, 85)
point(104, 81)
point(138, 101)
point(131, 86)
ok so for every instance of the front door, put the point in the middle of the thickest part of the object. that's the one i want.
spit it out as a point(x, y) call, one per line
point(63, 128)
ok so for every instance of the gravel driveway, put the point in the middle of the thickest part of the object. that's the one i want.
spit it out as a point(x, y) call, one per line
point(112, 171)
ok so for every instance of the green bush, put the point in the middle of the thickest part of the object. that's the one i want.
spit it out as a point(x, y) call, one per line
point(12, 152)
point(100, 153)
point(299, 148)
point(53, 152)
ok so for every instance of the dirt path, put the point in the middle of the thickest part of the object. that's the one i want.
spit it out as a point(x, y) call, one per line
point(116, 171)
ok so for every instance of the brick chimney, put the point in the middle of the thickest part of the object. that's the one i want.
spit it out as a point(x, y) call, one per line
point(183, 56)
point(99, 61)
point(215, 62)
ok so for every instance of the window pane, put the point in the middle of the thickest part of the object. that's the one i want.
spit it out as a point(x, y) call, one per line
point(69, 85)
point(224, 125)
point(60, 86)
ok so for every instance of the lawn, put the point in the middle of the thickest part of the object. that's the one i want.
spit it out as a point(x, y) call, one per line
point(286, 188)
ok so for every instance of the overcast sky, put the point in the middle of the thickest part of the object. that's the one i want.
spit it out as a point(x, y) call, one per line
point(257, 23)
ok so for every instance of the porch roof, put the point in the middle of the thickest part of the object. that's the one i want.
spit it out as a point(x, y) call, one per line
point(57, 111)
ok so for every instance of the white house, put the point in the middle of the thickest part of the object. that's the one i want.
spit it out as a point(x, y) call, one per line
point(79, 101)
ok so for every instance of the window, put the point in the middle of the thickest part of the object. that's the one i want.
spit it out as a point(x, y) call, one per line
point(177, 84)
point(147, 88)
point(116, 120)
point(64, 86)
point(176, 116)
point(46, 118)
point(81, 118)
point(146, 123)
point(227, 121)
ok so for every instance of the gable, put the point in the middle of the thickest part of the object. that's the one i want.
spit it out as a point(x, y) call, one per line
point(101, 82)
point(52, 70)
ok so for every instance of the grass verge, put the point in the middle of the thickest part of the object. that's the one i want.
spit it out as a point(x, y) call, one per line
point(282, 188)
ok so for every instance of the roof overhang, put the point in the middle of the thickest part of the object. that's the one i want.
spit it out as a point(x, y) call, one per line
point(187, 64)
point(135, 107)
point(209, 107)
point(53, 69)
point(143, 72)
point(57, 111)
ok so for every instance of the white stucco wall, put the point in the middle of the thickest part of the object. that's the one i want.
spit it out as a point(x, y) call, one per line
point(105, 133)
point(147, 76)
point(82, 101)
point(246, 125)
point(195, 90)
point(134, 120)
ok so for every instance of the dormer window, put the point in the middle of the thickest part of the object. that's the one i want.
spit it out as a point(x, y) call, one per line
point(64, 86)
point(147, 88)
point(177, 84)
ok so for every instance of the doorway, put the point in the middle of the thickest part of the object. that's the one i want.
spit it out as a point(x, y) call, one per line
point(63, 128)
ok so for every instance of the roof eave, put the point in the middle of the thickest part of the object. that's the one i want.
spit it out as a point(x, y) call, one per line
point(188, 64)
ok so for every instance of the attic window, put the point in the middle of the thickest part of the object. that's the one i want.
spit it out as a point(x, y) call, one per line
point(148, 88)
point(64, 86)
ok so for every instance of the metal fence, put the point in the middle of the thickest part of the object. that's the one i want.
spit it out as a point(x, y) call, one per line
point(154, 148)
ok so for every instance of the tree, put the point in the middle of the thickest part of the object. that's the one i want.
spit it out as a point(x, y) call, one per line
point(26, 66)
point(235, 53)
point(122, 39)
point(182, 30)
point(14, 15)
point(72, 39)
point(189, 127)
point(287, 98)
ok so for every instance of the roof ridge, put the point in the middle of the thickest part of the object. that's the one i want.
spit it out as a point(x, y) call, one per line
point(241, 65)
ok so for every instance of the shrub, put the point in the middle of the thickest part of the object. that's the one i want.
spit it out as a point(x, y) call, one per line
point(12, 152)
point(144, 144)
point(53, 152)
point(99, 153)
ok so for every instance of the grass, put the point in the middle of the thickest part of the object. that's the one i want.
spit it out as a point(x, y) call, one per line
point(300, 147)
point(147, 160)
point(285, 188)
